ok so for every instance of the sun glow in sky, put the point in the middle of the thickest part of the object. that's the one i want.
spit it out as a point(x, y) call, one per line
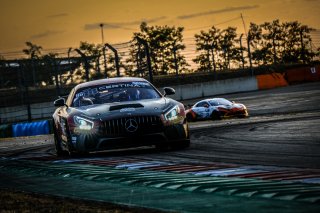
point(64, 23)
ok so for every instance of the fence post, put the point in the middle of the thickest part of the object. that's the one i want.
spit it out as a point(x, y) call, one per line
point(249, 54)
point(146, 47)
point(56, 77)
point(33, 72)
point(241, 48)
point(86, 64)
point(69, 63)
point(2, 65)
point(20, 81)
point(116, 56)
point(26, 98)
point(105, 61)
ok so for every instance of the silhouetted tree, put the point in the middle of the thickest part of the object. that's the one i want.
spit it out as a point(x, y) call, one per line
point(208, 44)
point(259, 52)
point(49, 68)
point(273, 39)
point(32, 50)
point(221, 46)
point(136, 65)
point(163, 41)
point(230, 50)
point(296, 46)
point(93, 53)
point(275, 42)
point(34, 53)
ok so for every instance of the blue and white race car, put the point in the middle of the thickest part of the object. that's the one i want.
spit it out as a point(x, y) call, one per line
point(216, 108)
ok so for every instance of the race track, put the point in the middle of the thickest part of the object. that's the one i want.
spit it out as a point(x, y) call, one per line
point(280, 141)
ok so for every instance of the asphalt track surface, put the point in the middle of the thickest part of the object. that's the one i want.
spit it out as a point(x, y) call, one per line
point(278, 144)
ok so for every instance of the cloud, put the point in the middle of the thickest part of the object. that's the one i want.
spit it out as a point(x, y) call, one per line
point(121, 25)
point(46, 34)
point(58, 15)
point(212, 12)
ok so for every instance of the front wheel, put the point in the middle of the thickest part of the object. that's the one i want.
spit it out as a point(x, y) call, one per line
point(216, 115)
point(190, 118)
point(57, 144)
point(242, 116)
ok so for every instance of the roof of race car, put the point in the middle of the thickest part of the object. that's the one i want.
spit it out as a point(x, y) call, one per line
point(108, 81)
point(210, 99)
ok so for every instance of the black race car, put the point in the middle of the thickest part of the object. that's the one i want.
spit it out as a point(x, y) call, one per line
point(118, 113)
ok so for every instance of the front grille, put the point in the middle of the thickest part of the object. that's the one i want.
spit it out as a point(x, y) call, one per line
point(145, 125)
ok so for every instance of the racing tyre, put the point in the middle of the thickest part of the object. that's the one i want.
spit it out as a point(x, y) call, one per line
point(190, 117)
point(216, 115)
point(57, 144)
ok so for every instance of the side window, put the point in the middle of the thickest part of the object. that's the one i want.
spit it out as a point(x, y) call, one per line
point(202, 104)
point(214, 103)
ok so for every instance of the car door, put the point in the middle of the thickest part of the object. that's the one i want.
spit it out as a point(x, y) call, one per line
point(202, 109)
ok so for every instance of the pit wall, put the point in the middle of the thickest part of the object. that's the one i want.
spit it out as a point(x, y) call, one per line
point(197, 90)
point(183, 92)
point(303, 74)
point(269, 81)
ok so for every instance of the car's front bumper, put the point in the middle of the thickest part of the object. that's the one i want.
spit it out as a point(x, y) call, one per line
point(89, 142)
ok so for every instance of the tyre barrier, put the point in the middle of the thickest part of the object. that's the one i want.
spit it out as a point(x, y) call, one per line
point(31, 129)
point(5, 131)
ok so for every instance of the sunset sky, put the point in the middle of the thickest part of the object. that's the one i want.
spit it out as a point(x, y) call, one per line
point(64, 23)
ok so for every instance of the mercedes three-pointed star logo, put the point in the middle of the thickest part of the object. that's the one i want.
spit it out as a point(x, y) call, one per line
point(131, 125)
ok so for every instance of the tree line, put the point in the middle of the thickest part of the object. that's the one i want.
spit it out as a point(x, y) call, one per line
point(216, 50)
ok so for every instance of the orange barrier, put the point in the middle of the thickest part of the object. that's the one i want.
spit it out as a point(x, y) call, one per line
point(269, 81)
point(303, 74)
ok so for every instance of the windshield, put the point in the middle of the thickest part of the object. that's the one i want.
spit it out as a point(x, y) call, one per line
point(118, 92)
point(219, 101)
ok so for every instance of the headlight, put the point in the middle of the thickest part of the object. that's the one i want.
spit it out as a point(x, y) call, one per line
point(172, 114)
point(83, 123)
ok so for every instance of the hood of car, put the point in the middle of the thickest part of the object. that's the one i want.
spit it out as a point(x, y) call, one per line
point(231, 106)
point(122, 109)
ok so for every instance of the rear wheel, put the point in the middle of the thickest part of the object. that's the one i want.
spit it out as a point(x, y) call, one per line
point(190, 118)
point(216, 115)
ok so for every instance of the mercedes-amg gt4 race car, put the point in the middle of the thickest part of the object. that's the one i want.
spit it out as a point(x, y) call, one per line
point(118, 113)
point(216, 108)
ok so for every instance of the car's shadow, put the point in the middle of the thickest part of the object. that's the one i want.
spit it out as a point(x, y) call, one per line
point(128, 152)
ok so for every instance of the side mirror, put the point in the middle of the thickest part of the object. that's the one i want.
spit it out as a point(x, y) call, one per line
point(169, 91)
point(59, 102)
